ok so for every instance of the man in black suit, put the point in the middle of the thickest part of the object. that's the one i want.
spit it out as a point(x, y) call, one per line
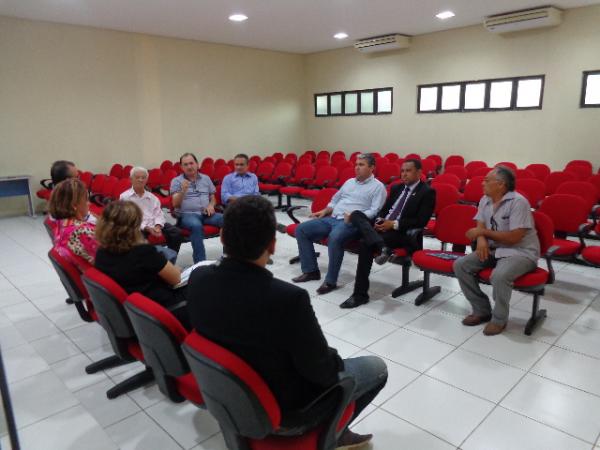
point(408, 207)
point(270, 323)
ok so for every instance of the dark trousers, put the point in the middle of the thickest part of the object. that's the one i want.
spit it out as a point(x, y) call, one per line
point(172, 235)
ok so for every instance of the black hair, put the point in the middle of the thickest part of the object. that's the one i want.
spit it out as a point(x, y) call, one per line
point(248, 227)
point(60, 171)
point(506, 176)
point(188, 154)
point(416, 162)
point(241, 155)
point(367, 157)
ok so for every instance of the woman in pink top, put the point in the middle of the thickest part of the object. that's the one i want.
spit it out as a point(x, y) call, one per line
point(73, 237)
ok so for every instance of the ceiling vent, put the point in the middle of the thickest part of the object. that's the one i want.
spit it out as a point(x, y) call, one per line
point(523, 20)
point(382, 43)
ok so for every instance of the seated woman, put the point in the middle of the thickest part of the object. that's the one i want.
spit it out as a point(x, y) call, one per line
point(137, 266)
point(74, 237)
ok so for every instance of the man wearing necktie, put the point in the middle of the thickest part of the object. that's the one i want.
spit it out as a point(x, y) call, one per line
point(409, 206)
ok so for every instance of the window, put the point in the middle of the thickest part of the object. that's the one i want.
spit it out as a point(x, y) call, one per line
point(590, 89)
point(483, 95)
point(352, 103)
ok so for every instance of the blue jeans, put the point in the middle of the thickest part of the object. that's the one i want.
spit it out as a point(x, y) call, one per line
point(338, 233)
point(370, 374)
point(194, 222)
point(170, 254)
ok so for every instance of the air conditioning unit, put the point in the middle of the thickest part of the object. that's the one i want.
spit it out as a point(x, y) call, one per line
point(523, 20)
point(382, 43)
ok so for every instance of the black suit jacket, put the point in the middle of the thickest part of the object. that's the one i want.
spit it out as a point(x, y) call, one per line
point(417, 210)
point(268, 323)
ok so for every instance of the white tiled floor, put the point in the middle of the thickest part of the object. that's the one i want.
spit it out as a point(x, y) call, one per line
point(449, 387)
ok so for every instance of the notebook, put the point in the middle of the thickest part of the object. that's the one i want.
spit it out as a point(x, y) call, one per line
point(185, 274)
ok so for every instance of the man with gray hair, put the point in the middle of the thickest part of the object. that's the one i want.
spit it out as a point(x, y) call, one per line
point(365, 194)
point(154, 225)
point(506, 240)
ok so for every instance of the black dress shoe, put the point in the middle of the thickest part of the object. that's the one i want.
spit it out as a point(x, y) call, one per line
point(325, 288)
point(384, 257)
point(354, 301)
point(307, 277)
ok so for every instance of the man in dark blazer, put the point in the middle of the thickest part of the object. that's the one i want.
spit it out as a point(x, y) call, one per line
point(409, 206)
point(270, 323)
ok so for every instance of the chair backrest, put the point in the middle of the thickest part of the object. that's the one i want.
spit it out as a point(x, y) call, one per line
point(109, 186)
point(155, 177)
point(545, 230)
point(581, 168)
point(208, 161)
point(587, 191)
point(166, 165)
point(122, 185)
point(522, 174)
point(511, 165)
point(283, 170)
point(532, 189)
point(540, 171)
point(326, 176)
point(447, 178)
point(86, 178)
point(453, 222)
point(386, 173)
point(97, 183)
point(391, 156)
point(567, 211)
point(595, 180)
point(445, 194)
point(291, 157)
point(555, 179)
point(472, 166)
point(304, 171)
point(116, 170)
point(108, 298)
point(322, 199)
point(473, 190)
point(345, 175)
point(167, 177)
point(437, 159)
point(221, 172)
point(481, 172)
point(429, 167)
point(220, 162)
point(413, 156)
point(160, 335)
point(234, 393)
point(323, 154)
point(264, 170)
point(454, 160)
point(278, 156)
point(459, 171)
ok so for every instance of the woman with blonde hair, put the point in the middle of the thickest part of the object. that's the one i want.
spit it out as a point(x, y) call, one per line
point(73, 236)
point(137, 266)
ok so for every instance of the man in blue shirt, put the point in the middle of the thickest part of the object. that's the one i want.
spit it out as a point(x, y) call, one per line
point(194, 201)
point(239, 183)
point(364, 193)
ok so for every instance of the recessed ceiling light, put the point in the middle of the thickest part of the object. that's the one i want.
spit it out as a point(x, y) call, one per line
point(238, 17)
point(445, 15)
point(340, 35)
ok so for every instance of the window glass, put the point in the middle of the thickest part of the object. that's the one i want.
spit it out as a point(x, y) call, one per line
point(474, 95)
point(529, 93)
point(366, 102)
point(322, 105)
point(350, 103)
point(335, 104)
point(384, 101)
point(500, 94)
point(428, 101)
point(592, 90)
point(450, 97)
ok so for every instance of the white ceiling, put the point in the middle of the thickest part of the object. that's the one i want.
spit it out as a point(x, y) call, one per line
point(299, 26)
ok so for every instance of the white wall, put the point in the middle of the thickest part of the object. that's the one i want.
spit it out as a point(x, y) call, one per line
point(561, 131)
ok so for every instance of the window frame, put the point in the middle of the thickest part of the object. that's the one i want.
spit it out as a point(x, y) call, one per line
point(358, 93)
point(582, 103)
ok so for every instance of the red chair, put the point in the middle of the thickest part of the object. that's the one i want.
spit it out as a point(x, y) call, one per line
point(447, 178)
point(591, 255)
point(569, 215)
point(220, 162)
point(595, 180)
point(109, 185)
point(532, 189)
point(511, 165)
point(291, 157)
point(535, 281)
point(540, 171)
point(207, 169)
point(304, 159)
point(116, 171)
point(311, 153)
point(387, 173)
point(166, 165)
point(161, 335)
point(473, 191)
point(522, 174)
point(252, 166)
point(391, 157)
point(345, 175)
point(555, 179)
point(321, 162)
point(452, 223)
point(247, 411)
point(281, 174)
point(413, 156)
point(472, 166)
point(264, 171)
point(208, 161)
point(454, 160)
point(428, 166)
point(482, 171)
point(97, 183)
point(86, 178)
point(257, 159)
point(231, 164)
point(581, 168)
point(337, 157)
point(126, 171)
point(459, 171)
point(445, 195)
point(177, 168)
point(323, 154)
point(437, 159)
point(326, 176)
point(108, 298)
point(583, 189)
point(155, 179)
point(278, 157)
point(304, 176)
point(220, 173)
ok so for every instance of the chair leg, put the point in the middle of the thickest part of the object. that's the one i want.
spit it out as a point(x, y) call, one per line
point(428, 291)
point(69, 301)
point(106, 363)
point(131, 383)
point(406, 286)
point(537, 315)
point(279, 201)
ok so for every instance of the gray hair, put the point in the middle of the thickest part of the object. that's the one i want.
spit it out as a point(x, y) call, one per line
point(367, 157)
point(506, 176)
point(138, 169)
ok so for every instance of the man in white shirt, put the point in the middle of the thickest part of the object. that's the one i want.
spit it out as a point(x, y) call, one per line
point(154, 225)
point(364, 193)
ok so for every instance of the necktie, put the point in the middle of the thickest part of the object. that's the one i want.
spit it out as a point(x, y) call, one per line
point(398, 209)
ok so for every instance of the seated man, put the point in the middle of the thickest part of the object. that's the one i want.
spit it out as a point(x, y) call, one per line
point(194, 202)
point(61, 170)
point(364, 193)
point(506, 240)
point(239, 183)
point(409, 206)
point(269, 323)
point(153, 221)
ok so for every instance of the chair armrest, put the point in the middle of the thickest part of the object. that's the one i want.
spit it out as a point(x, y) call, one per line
point(466, 202)
point(548, 257)
point(290, 212)
point(163, 191)
point(98, 199)
point(330, 435)
point(47, 183)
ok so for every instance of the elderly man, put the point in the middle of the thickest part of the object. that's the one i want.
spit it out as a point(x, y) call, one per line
point(194, 201)
point(507, 241)
point(154, 225)
point(239, 183)
point(363, 193)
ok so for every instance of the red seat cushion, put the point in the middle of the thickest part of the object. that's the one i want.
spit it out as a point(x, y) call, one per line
point(424, 260)
point(44, 194)
point(269, 187)
point(537, 277)
point(291, 190)
point(310, 193)
point(188, 387)
point(592, 254)
point(566, 247)
point(291, 229)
